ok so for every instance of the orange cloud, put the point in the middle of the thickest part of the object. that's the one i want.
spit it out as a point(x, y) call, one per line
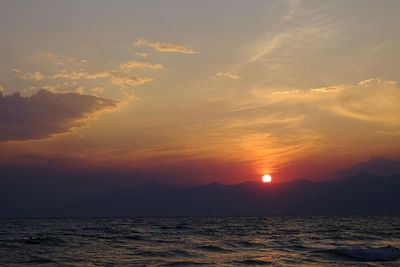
point(63, 60)
point(117, 78)
point(227, 75)
point(133, 64)
point(34, 76)
point(372, 100)
point(165, 47)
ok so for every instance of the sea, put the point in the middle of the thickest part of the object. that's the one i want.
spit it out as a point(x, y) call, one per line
point(197, 241)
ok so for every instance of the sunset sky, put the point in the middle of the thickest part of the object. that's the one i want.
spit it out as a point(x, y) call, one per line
point(192, 92)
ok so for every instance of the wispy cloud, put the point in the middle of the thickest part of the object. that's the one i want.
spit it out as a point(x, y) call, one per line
point(117, 78)
point(123, 80)
point(313, 30)
point(34, 76)
point(165, 47)
point(227, 75)
point(133, 64)
point(290, 42)
point(292, 6)
point(143, 54)
point(63, 60)
point(371, 100)
point(266, 47)
point(78, 75)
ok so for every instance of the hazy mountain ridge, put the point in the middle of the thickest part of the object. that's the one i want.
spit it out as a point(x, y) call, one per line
point(357, 194)
point(362, 194)
point(375, 165)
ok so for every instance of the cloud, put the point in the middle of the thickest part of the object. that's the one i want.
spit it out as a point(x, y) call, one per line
point(143, 54)
point(80, 75)
point(265, 47)
point(133, 64)
point(292, 6)
point(117, 78)
point(372, 100)
point(165, 47)
point(34, 76)
point(227, 75)
point(290, 42)
point(123, 80)
point(44, 114)
point(63, 60)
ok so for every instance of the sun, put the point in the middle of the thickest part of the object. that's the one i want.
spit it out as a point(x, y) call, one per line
point(267, 178)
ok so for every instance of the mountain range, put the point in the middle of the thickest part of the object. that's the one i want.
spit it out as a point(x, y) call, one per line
point(362, 193)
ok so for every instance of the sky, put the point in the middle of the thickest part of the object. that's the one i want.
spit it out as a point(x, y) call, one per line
point(192, 92)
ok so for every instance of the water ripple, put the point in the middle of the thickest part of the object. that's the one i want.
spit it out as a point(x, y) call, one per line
point(240, 241)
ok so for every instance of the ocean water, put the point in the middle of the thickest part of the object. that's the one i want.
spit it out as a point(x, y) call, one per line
point(227, 241)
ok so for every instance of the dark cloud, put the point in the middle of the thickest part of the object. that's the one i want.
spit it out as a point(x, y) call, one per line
point(45, 113)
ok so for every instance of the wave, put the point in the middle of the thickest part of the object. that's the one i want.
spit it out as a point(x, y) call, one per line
point(296, 248)
point(40, 260)
point(212, 248)
point(160, 254)
point(11, 243)
point(249, 244)
point(184, 263)
point(207, 232)
point(241, 242)
point(47, 240)
point(387, 253)
point(134, 237)
point(182, 253)
point(95, 230)
point(252, 262)
point(161, 241)
point(166, 254)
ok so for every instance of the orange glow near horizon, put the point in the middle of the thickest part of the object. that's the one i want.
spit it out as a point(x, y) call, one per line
point(176, 100)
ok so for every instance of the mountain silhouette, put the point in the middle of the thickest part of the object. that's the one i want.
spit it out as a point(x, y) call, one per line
point(361, 194)
point(372, 187)
point(375, 166)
